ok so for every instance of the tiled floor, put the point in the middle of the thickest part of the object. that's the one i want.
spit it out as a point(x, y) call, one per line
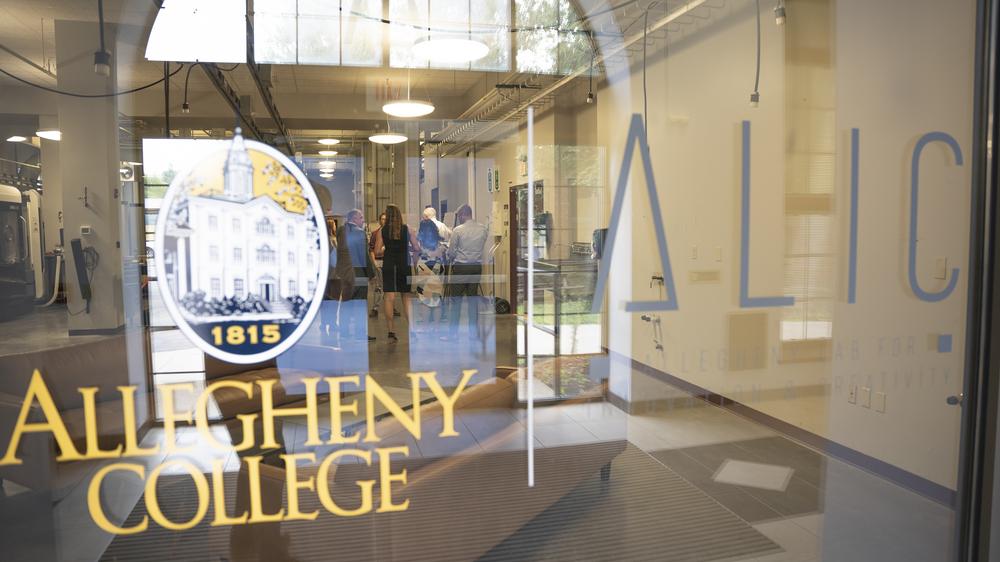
point(829, 510)
point(43, 328)
point(802, 494)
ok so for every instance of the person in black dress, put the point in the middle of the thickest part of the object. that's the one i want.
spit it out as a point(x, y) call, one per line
point(400, 245)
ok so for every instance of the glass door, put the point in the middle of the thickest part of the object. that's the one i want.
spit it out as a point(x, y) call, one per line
point(744, 246)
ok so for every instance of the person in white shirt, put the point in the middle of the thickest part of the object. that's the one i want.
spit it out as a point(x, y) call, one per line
point(443, 231)
point(466, 253)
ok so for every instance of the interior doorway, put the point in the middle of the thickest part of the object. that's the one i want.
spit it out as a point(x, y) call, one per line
point(267, 290)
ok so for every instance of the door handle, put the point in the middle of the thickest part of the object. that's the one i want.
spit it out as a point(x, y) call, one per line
point(955, 400)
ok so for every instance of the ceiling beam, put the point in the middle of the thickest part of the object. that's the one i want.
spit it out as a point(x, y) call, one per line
point(28, 61)
point(232, 98)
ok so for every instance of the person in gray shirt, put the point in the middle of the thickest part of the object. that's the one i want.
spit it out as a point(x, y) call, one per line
point(466, 252)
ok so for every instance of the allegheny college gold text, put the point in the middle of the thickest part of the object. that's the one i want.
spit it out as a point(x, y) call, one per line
point(214, 494)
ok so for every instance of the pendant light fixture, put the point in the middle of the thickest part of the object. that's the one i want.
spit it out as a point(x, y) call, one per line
point(388, 137)
point(451, 49)
point(102, 58)
point(590, 88)
point(327, 152)
point(408, 107)
point(779, 13)
point(755, 95)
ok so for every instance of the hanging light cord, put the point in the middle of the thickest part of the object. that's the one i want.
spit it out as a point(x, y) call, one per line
point(645, 97)
point(756, 80)
point(76, 95)
point(187, 76)
point(100, 17)
point(591, 87)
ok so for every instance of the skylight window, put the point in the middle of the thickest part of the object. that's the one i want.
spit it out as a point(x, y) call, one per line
point(550, 39)
point(199, 31)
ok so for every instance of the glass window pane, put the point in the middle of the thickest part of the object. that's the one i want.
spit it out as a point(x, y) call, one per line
point(537, 50)
point(574, 51)
point(328, 8)
point(449, 20)
point(274, 38)
point(213, 32)
point(536, 13)
point(768, 369)
point(275, 6)
point(491, 25)
point(409, 26)
point(362, 33)
point(319, 39)
point(568, 16)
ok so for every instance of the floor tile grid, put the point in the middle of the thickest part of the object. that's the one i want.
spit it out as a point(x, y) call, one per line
point(693, 485)
point(776, 501)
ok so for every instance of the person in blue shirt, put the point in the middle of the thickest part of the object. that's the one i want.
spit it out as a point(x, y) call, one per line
point(354, 306)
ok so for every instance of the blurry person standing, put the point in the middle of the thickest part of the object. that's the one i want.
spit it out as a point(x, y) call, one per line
point(431, 214)
point(353, 316)
point(401, 246)
point(339, 281)
point(466, 251)
point(376, 249)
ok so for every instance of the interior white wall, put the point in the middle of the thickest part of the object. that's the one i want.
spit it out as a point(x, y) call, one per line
point(885, 53)
point(505, 154)
point(698, 90)
point(89, 164)
point(450, 175)
point(52, 198)
point(697, 98)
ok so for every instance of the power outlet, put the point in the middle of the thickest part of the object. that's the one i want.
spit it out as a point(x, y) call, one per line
point(880, 402)
point(865, 397)
point(852, 394)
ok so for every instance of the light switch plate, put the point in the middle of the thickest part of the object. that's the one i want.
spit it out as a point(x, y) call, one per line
point(880, 402)
point(941, 268)
point(718, 253)
point(694, 253)
point(852, 394)
point(865, 397)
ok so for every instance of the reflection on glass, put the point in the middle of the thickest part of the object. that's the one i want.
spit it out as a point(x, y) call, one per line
point(490, 24)
point(772, 415)
point(551, 38)
point(410, 25)
point(274, 37)
point(215, 32)
point(362, 32)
